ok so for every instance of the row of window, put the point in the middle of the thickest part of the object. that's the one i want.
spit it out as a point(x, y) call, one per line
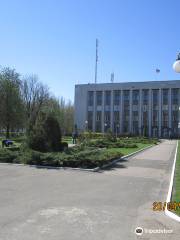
point(135, 97)
point(135, 116)
point(144, 129)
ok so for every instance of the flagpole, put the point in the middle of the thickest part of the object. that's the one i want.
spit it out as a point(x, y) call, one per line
point(96, 60)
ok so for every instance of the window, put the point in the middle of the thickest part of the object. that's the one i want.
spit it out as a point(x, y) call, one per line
point(108, 98)
point(117, 96)
point(155, 118)
point(155, 97)
point(90, 98)
point(175, 116)
point(165, 96)
point(126, 95)
point(116, 116)
point(98, 116)
point(145, 118)
point(135, 97)
point(99, 98)
point(90, 120)
point(135, 116)
point(175, 96)
point(107, 116)
point(145, 96)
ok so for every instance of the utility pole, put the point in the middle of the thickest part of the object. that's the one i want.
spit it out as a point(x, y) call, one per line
point(96, 60)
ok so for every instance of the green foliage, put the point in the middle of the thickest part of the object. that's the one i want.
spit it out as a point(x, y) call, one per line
point(96, 153)
point(19, 139)
point(110, 143)
point(22, 99)
point(139, 140)
point(8, 156)
point(11, 107)
point(46, 134)
point(13, 148)
point(89, 135)
point(109, 135)
point(75, 157)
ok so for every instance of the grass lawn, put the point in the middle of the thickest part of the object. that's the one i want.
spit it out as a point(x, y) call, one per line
point(67, 139)
point(126, 151)
point(176, 190)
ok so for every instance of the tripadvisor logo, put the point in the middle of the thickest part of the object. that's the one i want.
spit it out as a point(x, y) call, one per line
point(139, 231)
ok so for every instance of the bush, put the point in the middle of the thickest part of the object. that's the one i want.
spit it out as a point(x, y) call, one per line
point(64, 146)
point(90, 135)
point(14, 149)
point(109, 135)
point(7, 156)
point(46, 134)
point(20, 139)
point(105, 143)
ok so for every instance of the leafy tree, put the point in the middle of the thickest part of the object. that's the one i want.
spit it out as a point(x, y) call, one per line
point(22, 101)
point(35, 97)
point(11, 107)
point(63, 111)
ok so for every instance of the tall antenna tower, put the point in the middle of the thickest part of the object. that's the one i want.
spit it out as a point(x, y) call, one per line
point(112, 77)
point(96, 60)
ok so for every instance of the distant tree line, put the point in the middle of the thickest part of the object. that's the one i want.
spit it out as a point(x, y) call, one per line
point(23, 99)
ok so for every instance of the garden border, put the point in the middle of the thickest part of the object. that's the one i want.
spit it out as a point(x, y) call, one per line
point(169, 195)
point(123, 157)
point(82, 169)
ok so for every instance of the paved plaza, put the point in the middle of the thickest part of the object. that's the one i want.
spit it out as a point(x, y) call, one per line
point(50, 204)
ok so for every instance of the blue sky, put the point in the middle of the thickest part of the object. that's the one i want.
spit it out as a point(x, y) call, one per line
point(56, 40)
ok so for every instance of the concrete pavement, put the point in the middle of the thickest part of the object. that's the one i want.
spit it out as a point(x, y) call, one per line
point(49, 204)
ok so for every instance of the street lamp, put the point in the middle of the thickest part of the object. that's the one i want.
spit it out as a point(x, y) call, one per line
point(86, 123)
point(117, 127)
point(176, 65)
point(105, 125)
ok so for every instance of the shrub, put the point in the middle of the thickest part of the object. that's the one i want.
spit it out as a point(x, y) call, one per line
point(46, 134)
point(90, 135)
point(64, 146)
point(105, 143)
point(109, 135)
point(19, 139)
point(7, 156)
point(28, 157)
point(14, 149)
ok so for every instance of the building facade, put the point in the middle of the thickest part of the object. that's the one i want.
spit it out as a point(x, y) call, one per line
point(139, 108)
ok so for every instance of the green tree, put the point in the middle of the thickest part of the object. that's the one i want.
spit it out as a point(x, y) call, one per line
point(46, 133)
point(11, 107)
point(35, 98)
point(63, 111)
point(69, 118)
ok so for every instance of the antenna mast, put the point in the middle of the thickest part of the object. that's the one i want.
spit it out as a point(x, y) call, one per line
point(96, 60)
point(112, 77)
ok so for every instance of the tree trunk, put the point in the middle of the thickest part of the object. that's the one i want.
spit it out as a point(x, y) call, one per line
point(7, 131)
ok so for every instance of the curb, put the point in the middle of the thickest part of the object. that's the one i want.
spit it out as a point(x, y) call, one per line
point(81, 169)
point(168, 199)
point(117, 160)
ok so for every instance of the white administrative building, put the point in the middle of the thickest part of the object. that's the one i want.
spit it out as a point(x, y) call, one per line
point(138, 108)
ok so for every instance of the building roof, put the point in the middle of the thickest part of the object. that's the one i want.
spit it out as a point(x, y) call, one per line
point(127, 85)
